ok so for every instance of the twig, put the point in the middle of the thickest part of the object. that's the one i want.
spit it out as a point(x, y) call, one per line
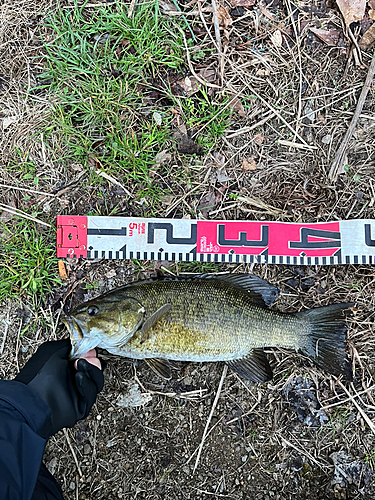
point(114, 181)
point(244, 130)
point(303, 452)
point(27, 190)
point(338, 163)
point(6, 321)
point(348, 399)
point(19, 213)
point(292, 144)
point(363, 414)
point(223, 375)
point(200, 80)
point(73, 452)
point(131, 8)
point(218, 41)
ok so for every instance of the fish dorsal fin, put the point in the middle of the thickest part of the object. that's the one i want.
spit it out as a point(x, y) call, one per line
point(160, 366)
point(153, 319)
point(260, 290)
point(254, 367)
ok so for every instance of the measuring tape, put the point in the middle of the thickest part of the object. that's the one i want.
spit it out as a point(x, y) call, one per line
point(95, 237)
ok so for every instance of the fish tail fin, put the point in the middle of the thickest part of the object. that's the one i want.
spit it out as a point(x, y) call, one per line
point(326, 341)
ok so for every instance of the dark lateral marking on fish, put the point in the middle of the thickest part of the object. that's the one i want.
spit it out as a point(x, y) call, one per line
point(168, 227)
point(317, 233)
point(368, 240)
point(242, 241)
point(107, 232)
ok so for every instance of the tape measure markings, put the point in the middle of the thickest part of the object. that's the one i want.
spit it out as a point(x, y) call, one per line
point(322, 243)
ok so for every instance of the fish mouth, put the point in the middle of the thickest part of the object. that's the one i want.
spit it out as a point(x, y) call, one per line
point(75, 331)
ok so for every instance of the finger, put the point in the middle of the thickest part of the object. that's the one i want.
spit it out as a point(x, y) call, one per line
point(89, 372)
point(91, 358)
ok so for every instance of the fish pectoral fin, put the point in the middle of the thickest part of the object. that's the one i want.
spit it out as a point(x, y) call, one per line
point(160, 366)
point(254, 367)
point(152, 320)
point(261, 292)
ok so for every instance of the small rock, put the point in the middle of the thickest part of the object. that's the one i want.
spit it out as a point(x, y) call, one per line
point(86, 449)
point(72, 486)
point(326, 139)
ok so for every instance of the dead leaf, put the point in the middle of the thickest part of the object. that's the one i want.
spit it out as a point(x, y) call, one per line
point(277, 38)
point(352, 10)
point(263, 72)
point(158, 118)
point(266, 13)
point(236, 104)
point(207, 203)
point(371, 4)
point(258, 139)
point(9, 120)
point(224, 18)
point(242, 3)
point(371, 14)
point(248, 164)
point(162, 157)
point(62, 270)
point(330, 37)
point(222, 176)
point(368, 38)
point(166, 6)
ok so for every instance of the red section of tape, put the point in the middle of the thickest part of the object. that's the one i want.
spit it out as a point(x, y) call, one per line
point(275, 238)
point(71, 236)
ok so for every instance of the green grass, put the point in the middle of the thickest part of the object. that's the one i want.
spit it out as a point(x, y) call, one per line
point(28, 266)
point(102, 69)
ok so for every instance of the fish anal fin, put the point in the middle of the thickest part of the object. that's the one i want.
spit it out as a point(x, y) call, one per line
point(254, 366)
point(160, 366)
point(261, 292)
point(152, 320)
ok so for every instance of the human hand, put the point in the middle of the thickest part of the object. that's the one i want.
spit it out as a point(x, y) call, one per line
point(69, 389)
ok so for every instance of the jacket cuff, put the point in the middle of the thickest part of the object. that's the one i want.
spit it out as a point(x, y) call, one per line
point(29, 404)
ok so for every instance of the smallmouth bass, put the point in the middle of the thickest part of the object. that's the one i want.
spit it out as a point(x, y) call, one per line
point(207, 318)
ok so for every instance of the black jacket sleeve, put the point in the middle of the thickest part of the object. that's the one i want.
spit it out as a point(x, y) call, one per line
point(23, 418)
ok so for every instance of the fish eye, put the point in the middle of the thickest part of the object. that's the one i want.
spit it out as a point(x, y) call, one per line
point(92, 310)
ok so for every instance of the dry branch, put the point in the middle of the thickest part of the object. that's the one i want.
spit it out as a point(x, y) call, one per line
point(338, 163)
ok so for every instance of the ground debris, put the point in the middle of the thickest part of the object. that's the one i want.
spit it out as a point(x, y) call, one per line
point(300, 394)
point(349, 471)
point(133, 397)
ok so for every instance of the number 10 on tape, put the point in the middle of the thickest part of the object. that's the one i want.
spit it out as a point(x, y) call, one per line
point(94, 237)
